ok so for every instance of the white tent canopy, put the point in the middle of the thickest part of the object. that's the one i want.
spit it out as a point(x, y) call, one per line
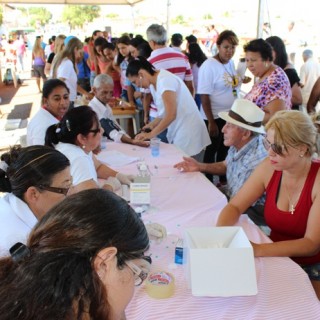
point(86, 2)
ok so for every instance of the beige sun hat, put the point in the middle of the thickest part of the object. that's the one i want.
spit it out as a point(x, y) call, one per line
point(245, 114)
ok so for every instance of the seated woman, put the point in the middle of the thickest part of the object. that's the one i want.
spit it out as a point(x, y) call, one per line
point(76, 136)
point(291, 181)
point(177, 109)
point(35, 179)
point(272, 91)
point(81, 261)
point(55, 103)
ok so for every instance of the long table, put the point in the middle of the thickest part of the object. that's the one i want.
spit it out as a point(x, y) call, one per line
point(180, 200)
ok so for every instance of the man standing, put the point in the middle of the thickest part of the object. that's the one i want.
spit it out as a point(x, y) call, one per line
point(309, 73)
point(243, 134)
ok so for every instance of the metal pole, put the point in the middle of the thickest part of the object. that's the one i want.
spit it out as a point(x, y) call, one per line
point(168, 17)
point(260, 18)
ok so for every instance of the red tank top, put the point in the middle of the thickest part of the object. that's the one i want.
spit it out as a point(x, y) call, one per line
point(283, 224)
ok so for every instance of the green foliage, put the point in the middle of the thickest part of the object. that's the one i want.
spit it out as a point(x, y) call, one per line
point(178, 20)
point(207, 16)
point(1, 15)
point(76, 16)
point(112, 16)
point(37, 15)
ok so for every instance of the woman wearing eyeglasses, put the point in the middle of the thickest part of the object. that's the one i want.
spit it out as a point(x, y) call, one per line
point(34, 179)
point(81, 261)
point(291, 180)
point(76, 136)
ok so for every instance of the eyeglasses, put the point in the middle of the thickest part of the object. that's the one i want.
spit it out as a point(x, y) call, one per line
point(95, 131)
point(63, 191)
point(276, 148)
point(139, 274)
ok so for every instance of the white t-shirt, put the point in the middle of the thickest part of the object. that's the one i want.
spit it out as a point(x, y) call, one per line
point(81, 164)
point(309, 74)
point(187, 131)
point(16, 222)
point(105, 112)
point(67, 72)
point(215, 79)
point(38, 125)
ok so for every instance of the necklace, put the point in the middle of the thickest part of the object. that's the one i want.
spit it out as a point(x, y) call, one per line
point(292, 202)
point(234, 79)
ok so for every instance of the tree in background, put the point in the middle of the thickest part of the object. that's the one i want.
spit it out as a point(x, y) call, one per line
point(77, 16)
point(1, 15)
point(37, 16)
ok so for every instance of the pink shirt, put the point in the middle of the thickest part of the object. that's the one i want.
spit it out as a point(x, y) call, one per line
point(275, 86)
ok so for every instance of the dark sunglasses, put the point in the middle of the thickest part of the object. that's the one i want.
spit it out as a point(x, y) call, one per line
point(63, 191)
point(276, 148)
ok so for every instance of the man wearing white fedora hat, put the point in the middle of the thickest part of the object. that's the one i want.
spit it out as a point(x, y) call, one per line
point(243, 134)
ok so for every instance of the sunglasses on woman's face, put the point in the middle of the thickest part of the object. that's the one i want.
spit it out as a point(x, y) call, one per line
point(276, 148)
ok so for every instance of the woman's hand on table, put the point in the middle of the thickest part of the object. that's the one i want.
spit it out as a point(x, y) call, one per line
point(143, 136)
point(188, 165)
point(112, 183)
point(125, 178)
point(156, 230)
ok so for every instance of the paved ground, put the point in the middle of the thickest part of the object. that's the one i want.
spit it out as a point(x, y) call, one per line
point(17, 106)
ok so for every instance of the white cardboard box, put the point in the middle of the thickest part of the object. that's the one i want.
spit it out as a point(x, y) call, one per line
point(219, 261)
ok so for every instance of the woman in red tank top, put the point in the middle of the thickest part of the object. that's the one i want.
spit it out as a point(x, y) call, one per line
point(291, 181)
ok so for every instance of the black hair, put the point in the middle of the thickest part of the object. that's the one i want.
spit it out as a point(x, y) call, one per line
point(79, 120)
point(56, 277)
point(136, 65)
point(261, 46)
point(108, 45)
point(125, 40)
point(144, 49)
point(99, 42)
point(50, 85)
point(279, 47)
point(30, 166)
point(196, 55)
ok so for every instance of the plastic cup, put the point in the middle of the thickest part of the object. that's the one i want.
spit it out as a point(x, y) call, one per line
point(155, 147)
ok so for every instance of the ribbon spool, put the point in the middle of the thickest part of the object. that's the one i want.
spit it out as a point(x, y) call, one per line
point(160, 285)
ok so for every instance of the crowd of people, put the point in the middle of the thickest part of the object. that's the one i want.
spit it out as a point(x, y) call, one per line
point(61, 212)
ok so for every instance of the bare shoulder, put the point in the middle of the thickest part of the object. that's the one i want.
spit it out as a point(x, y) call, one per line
point(265, 171)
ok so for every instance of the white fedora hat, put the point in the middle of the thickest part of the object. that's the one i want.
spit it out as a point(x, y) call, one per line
point(245, 114)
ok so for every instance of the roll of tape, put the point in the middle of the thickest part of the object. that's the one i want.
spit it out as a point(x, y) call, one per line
point(160, 285)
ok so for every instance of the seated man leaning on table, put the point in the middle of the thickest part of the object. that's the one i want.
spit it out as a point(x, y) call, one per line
point(243, 134)
point(103, 91)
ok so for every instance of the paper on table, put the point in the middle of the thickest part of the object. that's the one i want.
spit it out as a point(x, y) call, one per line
point(115, 158)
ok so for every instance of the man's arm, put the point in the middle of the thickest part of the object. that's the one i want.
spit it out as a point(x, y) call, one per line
point(314, 97)
point(191, 165)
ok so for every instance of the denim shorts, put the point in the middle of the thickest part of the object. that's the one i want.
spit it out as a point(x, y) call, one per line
point(313, 271)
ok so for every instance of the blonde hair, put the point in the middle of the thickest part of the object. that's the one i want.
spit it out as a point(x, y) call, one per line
point(59, 43)
point(293, 128)
point(67, 52)
point(37, 46)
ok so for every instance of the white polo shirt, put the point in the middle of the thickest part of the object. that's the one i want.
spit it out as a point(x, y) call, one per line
point(16, 222)
point(81, 164)
point(38, 125)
